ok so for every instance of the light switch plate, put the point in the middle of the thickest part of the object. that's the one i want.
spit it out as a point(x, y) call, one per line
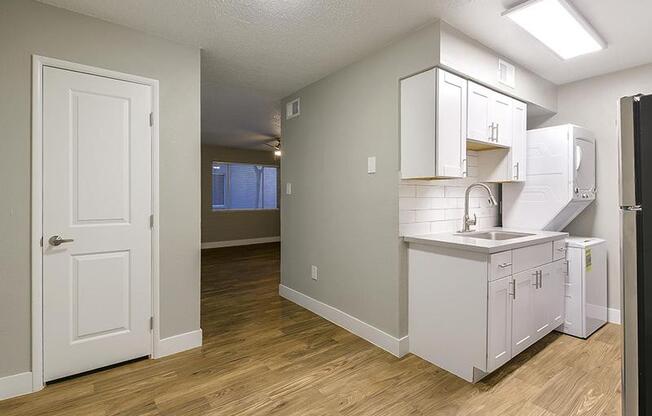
point(371, 164)
point(314, 272)
point(288, 188)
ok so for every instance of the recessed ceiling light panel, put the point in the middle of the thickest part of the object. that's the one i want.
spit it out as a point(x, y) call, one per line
point(557, 25)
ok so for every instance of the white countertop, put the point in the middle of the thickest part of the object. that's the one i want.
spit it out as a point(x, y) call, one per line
point(480, 245)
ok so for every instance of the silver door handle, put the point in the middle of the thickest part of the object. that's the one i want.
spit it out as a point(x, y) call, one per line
point(55, 240)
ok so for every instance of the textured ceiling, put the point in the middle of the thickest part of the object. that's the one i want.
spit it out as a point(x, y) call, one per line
point(254, 52)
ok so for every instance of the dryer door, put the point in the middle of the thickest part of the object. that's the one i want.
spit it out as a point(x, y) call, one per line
point(584, 168)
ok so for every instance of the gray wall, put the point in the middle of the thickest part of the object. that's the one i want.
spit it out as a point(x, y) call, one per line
point(234, 225)
point(592, 103)
point(28, 27)
point(339, 218)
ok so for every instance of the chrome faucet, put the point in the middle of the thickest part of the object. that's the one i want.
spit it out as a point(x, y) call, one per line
point(467, 222)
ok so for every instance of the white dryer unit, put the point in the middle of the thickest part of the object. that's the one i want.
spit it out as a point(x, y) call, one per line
point(560, 179)
point(586, 286)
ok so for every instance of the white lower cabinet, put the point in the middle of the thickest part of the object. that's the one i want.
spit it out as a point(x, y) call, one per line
point(499, 323)
point(470, 313)
point(536, 307)
point(523, 312)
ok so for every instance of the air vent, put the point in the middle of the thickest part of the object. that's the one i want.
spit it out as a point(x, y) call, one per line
point(293, 109)
point(506, 73)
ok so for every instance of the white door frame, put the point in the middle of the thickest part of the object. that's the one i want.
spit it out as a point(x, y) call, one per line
point(38, 63)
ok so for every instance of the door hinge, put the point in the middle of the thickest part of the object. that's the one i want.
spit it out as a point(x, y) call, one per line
point(151, 119)
point(151, 323)
point(151, 221)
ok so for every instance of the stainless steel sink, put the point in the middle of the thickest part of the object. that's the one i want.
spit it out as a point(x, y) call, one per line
point(494, 235)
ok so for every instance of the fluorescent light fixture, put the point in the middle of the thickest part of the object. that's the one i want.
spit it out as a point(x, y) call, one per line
point(558, 25)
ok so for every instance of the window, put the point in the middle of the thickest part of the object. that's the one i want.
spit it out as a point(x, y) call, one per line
point(244, 186)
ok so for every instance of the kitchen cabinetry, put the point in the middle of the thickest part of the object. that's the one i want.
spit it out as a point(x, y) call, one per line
point(443, 115)
point(470, 312)
point(490, 116)
point(433, 125)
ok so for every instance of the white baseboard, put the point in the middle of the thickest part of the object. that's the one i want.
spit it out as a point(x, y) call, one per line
point(178, 343)
point(613, 316)
point(15, 385)
point(395, 346)
point(244, 242)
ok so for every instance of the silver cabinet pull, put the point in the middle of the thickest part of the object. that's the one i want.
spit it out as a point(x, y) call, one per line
point(464, 168)
point(516, 168)
point(497, 131)
point(503, 265)
point(513, 285)
point(56, 240)
point(562, 249)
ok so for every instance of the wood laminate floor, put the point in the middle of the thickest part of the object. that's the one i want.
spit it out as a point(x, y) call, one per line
point(263, 355)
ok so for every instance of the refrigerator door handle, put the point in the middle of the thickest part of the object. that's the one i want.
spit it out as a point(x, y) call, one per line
point(632, 208)
point(627, 152)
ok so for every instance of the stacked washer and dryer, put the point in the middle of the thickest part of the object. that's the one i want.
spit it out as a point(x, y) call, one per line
point(559, 185)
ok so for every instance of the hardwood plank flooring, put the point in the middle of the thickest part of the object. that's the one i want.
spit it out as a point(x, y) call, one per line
point(263, 355)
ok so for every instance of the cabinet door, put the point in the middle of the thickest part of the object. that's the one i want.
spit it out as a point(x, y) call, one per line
point(499, 323)
point(451, 124)
point(418, 125)
point(522, 311)
point(518, 151)
point(502, 108)
point(557, 292)
point(543, 302)
point(479, 113)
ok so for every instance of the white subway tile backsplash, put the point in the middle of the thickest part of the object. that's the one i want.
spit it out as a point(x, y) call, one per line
point(430, 215)
point(406, 217)
point(415, 228)
point(407, 191)
point(437, 206)
point(430, 192)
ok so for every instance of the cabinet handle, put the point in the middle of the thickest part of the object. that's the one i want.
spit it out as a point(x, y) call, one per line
point(502, 266)
point(540, 279)
point(497, 127)
point(464, 168)
point(516, 168)
point(513, 285)
point(562, 249)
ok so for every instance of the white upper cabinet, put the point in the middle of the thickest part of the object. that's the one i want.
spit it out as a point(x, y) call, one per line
point(433, 125)
point(443, 114)
point(503, 108)
point(519, 147)
point(490, 116)
point(480, 127)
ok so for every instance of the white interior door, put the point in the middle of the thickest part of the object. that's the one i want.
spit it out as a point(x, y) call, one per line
point(97, 199)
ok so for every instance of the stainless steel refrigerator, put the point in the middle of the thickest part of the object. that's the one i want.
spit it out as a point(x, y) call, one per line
point(636, 252)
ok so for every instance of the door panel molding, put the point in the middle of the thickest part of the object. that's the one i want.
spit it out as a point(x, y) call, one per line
point(38, 64)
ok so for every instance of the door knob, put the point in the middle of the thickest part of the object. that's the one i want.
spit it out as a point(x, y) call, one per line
point(56, 240)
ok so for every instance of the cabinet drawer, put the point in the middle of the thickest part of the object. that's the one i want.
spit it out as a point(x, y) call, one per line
point(559, 249)
point(500, 265)
point(532, 256)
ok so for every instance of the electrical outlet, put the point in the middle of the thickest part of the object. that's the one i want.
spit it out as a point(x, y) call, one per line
point(314, 272)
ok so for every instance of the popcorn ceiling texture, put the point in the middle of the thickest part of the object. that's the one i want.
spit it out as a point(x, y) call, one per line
point(437, 206)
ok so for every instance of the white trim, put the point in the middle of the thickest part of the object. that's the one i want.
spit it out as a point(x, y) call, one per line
point(395, 346)
point(613, 316)
point(244, 242)
point(38, 62)
point(16, 385)
point(178, 343)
